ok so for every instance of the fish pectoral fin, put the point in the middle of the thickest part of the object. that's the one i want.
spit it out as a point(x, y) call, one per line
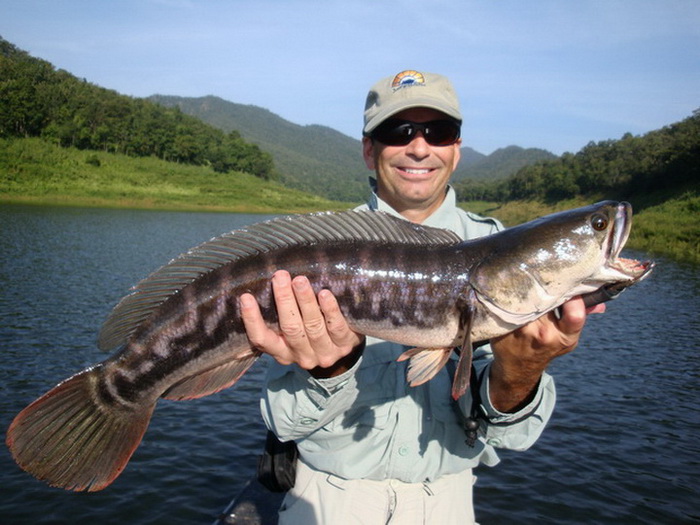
point(212, 380)
point(464, 369)
point(424, 363)
point(460, 383)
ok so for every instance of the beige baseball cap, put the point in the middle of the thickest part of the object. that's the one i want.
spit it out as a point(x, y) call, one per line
point(409, 89)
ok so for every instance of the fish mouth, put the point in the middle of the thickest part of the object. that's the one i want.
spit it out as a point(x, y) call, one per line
point(618, 273)
point(630, 270)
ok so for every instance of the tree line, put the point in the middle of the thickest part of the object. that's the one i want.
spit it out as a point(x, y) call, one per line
point(617, 169)
point(36, 100)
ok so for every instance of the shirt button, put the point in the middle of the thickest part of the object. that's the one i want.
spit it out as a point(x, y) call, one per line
point(307, 421)
point(494, 442)
point(403, 450)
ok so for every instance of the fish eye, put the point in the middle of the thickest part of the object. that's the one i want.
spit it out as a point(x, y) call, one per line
point(599, 222)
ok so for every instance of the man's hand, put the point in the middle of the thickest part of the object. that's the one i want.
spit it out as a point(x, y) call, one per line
point(521, 356)
point(313, 331)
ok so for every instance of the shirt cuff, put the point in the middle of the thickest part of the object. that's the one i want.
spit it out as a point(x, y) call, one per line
point(319, 391)
point(496, 417)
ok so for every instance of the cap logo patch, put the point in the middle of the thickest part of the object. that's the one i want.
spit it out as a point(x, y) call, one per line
point(407, 78)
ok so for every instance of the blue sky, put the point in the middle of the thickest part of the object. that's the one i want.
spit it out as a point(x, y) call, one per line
point(554, 74)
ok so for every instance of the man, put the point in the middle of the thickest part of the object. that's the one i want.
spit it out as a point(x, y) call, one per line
point(373, 449)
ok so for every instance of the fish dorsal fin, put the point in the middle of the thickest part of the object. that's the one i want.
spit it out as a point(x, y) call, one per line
point(257, 239)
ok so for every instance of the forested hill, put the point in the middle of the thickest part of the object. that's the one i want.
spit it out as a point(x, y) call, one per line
point(650, 168)
point(323, 161)
point(36, 100)
point(313, 158)
point(498, 165)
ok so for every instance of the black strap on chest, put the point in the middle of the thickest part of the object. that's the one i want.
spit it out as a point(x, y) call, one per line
point(473, 423)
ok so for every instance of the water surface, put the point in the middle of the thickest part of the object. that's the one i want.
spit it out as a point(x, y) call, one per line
point(622, 446)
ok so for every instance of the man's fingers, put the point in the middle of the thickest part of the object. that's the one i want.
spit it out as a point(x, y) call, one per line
point(252, 318)
point(336, 324)
point(597, 309)
point(573, 316)
point(312, 331)
point(313, 322)
point(259, 334)
point(290, 318)
point(301, 321)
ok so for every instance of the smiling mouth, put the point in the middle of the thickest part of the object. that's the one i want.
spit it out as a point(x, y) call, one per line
point(416, 171)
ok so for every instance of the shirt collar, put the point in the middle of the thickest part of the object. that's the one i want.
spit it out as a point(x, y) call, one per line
point(443, 217)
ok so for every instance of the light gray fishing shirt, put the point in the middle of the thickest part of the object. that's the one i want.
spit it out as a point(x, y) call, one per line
point(369, 423)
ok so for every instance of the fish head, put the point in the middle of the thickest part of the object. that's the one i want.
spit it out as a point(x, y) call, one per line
point(537, 266)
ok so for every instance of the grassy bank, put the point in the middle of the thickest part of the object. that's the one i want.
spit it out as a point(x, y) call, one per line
point(671, 228)
point(35, 171)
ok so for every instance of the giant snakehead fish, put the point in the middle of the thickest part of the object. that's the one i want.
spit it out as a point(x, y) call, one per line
point(179, 334)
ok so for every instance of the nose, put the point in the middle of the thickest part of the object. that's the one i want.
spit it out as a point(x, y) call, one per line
point(418, 147)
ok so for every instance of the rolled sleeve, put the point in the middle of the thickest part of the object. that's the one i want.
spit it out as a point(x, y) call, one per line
point(518, 430)
point(303, 404)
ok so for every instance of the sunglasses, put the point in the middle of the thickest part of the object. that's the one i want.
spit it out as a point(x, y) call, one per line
point(396, 132)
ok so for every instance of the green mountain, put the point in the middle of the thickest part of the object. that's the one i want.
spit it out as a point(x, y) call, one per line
point(313, 158)
point(648, 169)
point(500, 164)
point(321, 160)
point(36, 100)
point(663, 163)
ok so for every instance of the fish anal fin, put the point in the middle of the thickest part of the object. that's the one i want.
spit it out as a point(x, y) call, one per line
point(71, 440)
point(212, 380)
point(424, 363)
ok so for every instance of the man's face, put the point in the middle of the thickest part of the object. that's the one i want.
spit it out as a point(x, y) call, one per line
point(412, 178)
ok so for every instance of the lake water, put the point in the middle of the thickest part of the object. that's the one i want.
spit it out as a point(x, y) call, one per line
point(622, 446)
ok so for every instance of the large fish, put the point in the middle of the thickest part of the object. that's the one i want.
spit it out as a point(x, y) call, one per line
point(179, 334)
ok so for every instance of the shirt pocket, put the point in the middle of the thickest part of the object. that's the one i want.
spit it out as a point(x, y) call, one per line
point(372, 408)
point(367, 416)
point(442, 407)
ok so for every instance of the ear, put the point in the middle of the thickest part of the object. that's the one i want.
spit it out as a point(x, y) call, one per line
point(368, 152)
point(457, 145)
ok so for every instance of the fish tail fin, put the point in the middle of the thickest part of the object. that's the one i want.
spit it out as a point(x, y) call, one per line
point(71, 440)
point(424, 363)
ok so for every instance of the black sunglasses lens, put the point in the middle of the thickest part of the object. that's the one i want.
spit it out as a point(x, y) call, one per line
point(441, 132)
point(394, 132)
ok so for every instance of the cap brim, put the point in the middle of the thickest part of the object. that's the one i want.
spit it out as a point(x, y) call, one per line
point(390, 111)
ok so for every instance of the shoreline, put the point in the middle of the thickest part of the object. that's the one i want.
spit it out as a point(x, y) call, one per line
point(149, 205)
point(641, 239)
